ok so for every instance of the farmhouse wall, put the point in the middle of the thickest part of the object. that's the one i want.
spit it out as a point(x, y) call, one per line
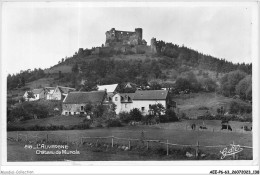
point(56, 94)
point(73, 109)
point(143, 105)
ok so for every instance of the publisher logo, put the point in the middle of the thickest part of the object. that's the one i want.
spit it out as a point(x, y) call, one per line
point(233, 149)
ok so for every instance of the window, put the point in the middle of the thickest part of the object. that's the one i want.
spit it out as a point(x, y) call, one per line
point(116, 99)
point(66, 113)
point(69, 113)
point(142, 108)
point(150, 106)
point(81, 108)
point(125, 105)
point(74, 113)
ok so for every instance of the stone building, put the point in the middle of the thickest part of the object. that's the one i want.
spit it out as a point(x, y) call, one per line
point(75, 102)
point(60, 93)
point(117, 37)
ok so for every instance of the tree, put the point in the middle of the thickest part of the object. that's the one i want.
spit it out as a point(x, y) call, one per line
point(88, 108)
point(75, 68)
point(89, 86)
point(98, 111)
point(136, 114)
point(249, 92)
point(22, 81)
point(171, 115)
point(243, 87)
point(208, 84)
point(182, 84)
point(229, 82)
point(155, 86)
point(234, 108)
point(157, 109)
point(60, 75)
point(234, 78)
point(125, 117)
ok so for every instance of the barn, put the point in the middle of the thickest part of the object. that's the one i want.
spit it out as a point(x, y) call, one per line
point(75, 102)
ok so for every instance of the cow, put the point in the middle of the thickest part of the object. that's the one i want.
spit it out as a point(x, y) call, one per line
point(193, 126)
point(246, 128)
point(203, 127)
point(226, 127)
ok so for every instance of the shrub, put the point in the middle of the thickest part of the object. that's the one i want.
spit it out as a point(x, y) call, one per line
point(236, 108)
point(113, 122)
point(125, 117)
point(136, 114)
point(232, 117)
point(164, 118)
point(183, 116)
point(171, 115)
point(147, 119)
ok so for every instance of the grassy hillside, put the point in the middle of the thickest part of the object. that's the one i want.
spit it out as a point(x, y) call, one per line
point(196, 104)
point(56, 69)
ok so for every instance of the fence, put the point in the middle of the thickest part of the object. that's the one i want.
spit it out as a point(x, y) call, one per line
point(166, 144)
point(116, 141)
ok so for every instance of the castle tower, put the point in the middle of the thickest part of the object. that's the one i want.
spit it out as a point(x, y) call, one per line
point(153, 45)
point(139, 33)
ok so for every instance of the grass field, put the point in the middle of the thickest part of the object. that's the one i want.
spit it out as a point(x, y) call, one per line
point(58, 120)
point(171, 132)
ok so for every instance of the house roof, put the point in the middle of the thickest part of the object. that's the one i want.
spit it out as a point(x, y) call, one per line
point(131, 95)
point(66, 90)
point(85, 97)
point(151, 95)
point(50, 90)
point(108, 88)
point(37, 91)
point(126, 95)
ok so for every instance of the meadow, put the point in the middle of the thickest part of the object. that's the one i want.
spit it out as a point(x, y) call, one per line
point(173, 132)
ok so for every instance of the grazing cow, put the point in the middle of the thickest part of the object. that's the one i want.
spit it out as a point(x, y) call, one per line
point(246, 128)
point(193, 126)
point(203, 127)
point(226, 127)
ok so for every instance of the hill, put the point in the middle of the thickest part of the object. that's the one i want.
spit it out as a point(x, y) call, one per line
point(171, 66)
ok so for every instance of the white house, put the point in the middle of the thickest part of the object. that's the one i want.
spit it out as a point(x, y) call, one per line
point(34, 95)
point(142, 100)
point(123, 102)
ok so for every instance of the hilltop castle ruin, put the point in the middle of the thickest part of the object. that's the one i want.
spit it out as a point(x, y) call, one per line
point(117, 37)
point(125, 42)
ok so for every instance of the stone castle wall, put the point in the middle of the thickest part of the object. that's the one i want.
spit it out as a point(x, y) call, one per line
point(115, 37)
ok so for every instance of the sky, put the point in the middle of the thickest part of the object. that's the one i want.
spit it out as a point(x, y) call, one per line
point(39, 35)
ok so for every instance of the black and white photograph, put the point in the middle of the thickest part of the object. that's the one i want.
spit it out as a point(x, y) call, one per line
point(142, 83)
